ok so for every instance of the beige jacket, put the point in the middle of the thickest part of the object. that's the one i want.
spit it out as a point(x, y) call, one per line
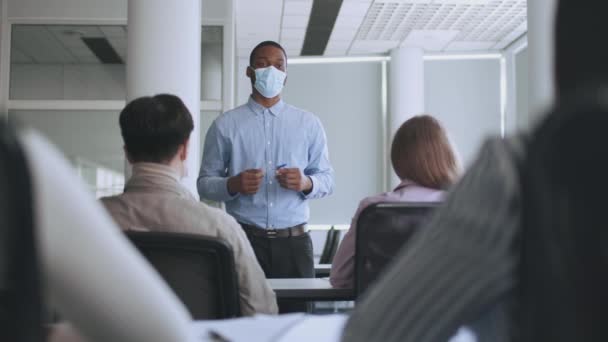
point(155, 200)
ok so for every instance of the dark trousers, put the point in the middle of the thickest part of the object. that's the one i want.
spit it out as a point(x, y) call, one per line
point(288, 257)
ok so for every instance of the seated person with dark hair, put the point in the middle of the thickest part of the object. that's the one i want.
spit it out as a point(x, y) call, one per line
point(156, 133)
point(425, 163)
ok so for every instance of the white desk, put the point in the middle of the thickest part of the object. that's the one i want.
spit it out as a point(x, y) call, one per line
point(314, 289)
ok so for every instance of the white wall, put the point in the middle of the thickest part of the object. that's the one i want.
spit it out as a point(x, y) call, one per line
point(347, 99)
point(465, 96)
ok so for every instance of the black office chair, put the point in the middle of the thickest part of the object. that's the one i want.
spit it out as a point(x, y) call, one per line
point(21, 308)
point(199, 269)
point(331, 245)
point(326, 255)
point(382, 230)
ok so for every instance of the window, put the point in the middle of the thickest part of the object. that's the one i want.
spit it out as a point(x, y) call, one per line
point(55, 66)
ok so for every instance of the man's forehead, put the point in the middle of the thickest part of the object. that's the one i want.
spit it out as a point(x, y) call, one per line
point(269, 51)
point(270, 56)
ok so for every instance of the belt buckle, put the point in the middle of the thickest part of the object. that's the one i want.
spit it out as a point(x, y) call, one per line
point(271, 233)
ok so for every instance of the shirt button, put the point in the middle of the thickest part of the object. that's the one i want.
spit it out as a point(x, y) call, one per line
point(270, 162)
point(270, 182)
point(269, 143)
point(271, 204)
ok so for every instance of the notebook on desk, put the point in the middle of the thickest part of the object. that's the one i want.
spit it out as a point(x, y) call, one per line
point(264, 328)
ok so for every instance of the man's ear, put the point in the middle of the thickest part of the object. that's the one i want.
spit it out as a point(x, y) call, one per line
point(250, 73)
point(127, 155)
point(183, 154)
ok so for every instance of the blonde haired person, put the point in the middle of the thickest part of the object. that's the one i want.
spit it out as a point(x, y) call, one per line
point(425, 162)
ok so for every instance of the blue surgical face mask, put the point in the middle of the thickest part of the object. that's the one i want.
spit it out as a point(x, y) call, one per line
point(269, 81)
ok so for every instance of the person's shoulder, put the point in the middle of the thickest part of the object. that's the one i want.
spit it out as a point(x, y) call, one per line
point(303, 113)
point(374, 199)
point(108, 201)
point(214, 218)
point(509, 150)
point(232, 115)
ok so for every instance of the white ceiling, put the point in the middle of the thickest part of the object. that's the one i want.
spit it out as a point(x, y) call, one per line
point(366, 27)
point(62, 44)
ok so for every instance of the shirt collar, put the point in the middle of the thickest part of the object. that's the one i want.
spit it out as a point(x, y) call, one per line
point(404, 183)
point(257, 108)
point(154, 177)
point(155, 169)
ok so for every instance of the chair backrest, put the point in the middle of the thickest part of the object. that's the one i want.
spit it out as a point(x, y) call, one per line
point(334, 244)
point(199, 269)
point(20, 295)
point(382, 230)
point(329, 240)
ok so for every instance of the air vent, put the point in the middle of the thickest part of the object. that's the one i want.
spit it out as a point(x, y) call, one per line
point(103, 50)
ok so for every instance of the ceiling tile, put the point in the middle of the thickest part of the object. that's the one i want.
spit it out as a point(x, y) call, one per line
point(113, 31)
point(19, 57)
point(429, 40)
point(40, 44)
point(469, 46)
point(295, 21)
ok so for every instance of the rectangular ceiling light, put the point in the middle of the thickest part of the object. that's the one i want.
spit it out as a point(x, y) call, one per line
point(103, 50)
point(320, 25)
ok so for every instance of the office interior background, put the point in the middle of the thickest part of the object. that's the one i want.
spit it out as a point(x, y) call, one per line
point(63, 67)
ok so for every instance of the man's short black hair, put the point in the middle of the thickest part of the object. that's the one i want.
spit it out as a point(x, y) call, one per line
point(154, 127)
point(261, 45)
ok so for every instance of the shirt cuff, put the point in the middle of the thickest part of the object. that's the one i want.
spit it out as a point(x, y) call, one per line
point(227, 194)
point(313, 188)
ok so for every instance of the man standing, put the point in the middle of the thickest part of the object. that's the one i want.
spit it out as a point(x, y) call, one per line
point(265, 160)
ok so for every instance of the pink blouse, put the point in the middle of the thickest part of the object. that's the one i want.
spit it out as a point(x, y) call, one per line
point(343, 266)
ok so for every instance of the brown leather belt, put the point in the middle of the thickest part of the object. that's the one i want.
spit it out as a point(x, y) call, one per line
point(275, 233)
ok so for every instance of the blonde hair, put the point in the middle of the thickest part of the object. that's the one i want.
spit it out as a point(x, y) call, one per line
point(421, 152)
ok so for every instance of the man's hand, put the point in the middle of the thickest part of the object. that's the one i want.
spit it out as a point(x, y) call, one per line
point(293, 179)
point(247, 182)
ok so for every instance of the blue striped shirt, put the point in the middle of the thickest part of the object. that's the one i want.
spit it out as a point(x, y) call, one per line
point(254, 137)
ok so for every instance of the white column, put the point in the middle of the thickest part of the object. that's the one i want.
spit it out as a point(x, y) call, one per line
point(405, 93)
point(541, 27)
point(229, 55)
point(164, 56)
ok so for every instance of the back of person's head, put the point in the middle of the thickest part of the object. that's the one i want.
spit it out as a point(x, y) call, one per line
point(580, 59)
point(563, 283)
point(153, 128)
point(564, 273)
point(421, 152)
